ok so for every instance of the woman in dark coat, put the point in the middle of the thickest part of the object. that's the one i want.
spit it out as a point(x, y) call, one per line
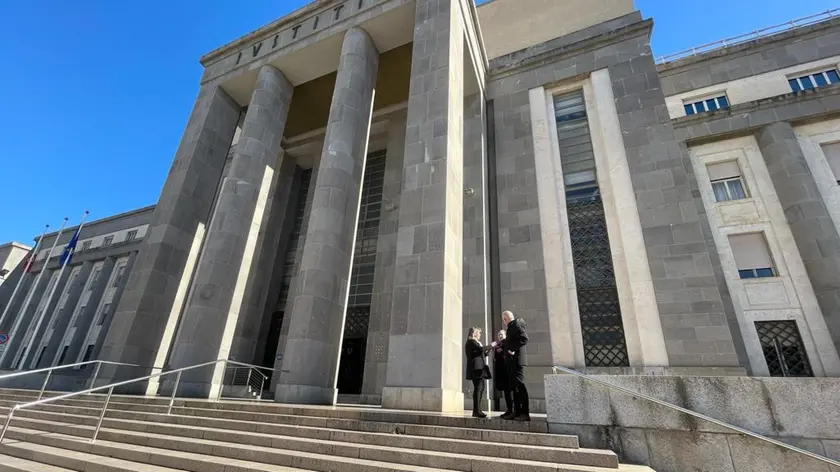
point(477, 369)
point(501, 379)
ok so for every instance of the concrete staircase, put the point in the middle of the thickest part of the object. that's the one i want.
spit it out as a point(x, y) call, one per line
point(203, 436)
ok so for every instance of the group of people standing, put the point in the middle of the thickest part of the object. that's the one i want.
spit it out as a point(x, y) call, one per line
point(509, 360)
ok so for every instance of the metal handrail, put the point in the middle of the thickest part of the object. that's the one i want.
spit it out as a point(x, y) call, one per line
point(110, 388)
point(49, 371)
point(697, 415)
point(248, 381)
point(757, 34)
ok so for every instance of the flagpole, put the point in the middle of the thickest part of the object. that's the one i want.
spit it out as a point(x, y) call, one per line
point(28, 300)
point(29, 260)
point(66, 262)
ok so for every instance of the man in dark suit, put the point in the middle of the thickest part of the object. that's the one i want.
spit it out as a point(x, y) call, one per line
point(516, 360)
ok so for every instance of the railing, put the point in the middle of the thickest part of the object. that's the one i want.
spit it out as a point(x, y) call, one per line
point(251, 377)
point(696, 415)
point(764, 32)
point(111, 387)
point(50, 370)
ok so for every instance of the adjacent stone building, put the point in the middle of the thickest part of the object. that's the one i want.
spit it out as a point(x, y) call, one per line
point(361, 181)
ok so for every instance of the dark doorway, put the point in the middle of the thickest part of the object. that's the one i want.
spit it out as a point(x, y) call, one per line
point(271, 341)
point(352, 366)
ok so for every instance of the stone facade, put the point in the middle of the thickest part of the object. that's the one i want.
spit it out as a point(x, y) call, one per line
point(481, 185)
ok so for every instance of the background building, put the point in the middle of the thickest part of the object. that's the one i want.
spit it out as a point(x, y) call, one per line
point(11, 254)
point(361, 182)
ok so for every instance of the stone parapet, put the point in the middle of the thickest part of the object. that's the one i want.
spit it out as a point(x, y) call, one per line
point(801, 412)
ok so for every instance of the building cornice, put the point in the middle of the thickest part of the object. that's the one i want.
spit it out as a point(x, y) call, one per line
point(118, 216)
point(591, 39)
point(746, 118)
point(267, 30)
point(680, 65)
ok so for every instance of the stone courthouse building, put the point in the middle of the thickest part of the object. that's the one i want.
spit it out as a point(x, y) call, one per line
point(361, 181)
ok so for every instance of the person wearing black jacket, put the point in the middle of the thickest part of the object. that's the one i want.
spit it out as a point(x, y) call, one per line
point(500, 373)
point(516, 360)
point(477, 369)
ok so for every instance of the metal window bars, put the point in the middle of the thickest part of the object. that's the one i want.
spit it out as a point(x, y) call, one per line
point(695, 414)
point(757, 34)
point(110, 389)
point(50, 370)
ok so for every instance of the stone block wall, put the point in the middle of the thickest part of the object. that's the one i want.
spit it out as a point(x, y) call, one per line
point(800, 412)
point(689, 284)
point(768, 54)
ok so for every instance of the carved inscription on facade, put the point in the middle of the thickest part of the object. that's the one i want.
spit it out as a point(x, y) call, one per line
point(302, 29)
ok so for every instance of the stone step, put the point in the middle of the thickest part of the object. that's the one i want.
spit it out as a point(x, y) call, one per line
point(389, 448)
point(158, 404)
point(280, 423)
point(262, 434)
point(41, 457)
point(16, 464)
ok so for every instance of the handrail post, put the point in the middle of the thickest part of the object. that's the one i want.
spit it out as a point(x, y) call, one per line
point(44, 386)
point(6, 425)
point(102, 415)
point(95, 374)
point(248, 380)
point(174, 392)
point(262, 385)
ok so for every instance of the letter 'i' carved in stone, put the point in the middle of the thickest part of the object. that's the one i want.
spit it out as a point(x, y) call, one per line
point(294, 31)
point(274, 44)
point(337, 11)
point(315, 25)
point(360, 4)
point(256, 49)
point(238, 57)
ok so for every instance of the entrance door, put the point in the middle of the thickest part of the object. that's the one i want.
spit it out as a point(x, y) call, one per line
point(352, 366)
point(271, 340)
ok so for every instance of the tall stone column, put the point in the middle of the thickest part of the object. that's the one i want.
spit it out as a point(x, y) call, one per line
point(425, 346)
point(813, 230)
point(162, 272)
point(313, 345)
point(230, 249)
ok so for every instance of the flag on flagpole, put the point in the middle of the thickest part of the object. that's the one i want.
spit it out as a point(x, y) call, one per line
point(67, 255)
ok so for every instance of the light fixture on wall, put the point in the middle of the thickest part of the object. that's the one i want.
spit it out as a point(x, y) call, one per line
point(469, 192)
point(390, 206)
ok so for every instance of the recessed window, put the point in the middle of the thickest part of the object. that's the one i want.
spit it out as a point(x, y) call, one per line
point(812, 81)
point(832, 155)
point(131, 236)
point(709, 104)
point(752, 256)
point(108, 241)
point(88, 353)
point(119, 277)
point(727, 182)
point(783, 349)
point(103, 314)
point(63, 355)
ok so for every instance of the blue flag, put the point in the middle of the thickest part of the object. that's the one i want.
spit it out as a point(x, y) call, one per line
point(67, 255)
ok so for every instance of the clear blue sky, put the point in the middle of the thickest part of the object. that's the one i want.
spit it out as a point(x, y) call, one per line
point(94, 94)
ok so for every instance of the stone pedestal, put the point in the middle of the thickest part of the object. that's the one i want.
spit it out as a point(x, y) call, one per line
point(425, 352)
point(210, 318)
point(316, 326)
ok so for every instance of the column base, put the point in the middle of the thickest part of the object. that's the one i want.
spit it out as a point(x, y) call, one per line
point(305, 395)
point(423, 399)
